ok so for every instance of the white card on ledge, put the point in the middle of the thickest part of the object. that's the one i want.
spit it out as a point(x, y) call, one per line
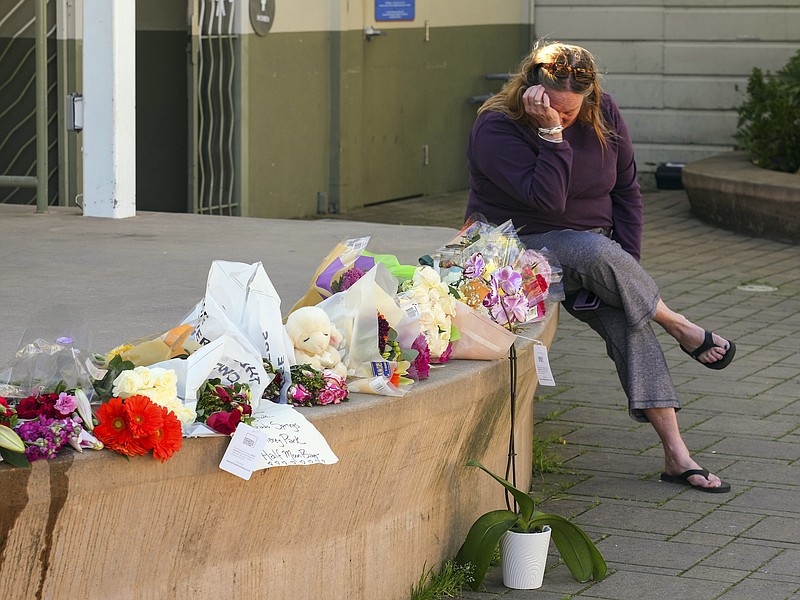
point(244, 451)
point(542, 365)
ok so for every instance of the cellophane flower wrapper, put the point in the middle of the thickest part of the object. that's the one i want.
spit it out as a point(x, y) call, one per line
point(52, 350)
point(354, 312)
point(395, 267)
point(481, 338)
point(541, 280)
point(346, 255)
point(158, 347)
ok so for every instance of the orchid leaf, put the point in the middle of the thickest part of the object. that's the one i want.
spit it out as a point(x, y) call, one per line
point(524, 501)
point(579, 553)
point(482, 539)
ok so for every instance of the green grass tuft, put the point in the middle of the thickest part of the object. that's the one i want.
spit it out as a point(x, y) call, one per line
point(447, 583)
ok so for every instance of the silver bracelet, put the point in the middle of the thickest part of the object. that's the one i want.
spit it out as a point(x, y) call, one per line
point(551, 130)
point(551, 141)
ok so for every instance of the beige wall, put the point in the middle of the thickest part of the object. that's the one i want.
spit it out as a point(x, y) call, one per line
point(677, 68)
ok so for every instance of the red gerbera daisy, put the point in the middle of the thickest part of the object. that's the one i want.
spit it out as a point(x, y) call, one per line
point(168, 438)
point(143, 415)
point(135, 447)
point(112, 428)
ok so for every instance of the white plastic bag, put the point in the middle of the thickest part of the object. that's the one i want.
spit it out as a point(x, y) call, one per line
point(241, 302)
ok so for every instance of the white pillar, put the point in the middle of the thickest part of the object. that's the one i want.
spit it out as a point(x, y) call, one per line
point(109, 91)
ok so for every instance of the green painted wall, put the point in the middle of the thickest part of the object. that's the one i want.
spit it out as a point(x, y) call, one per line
point(383, 100)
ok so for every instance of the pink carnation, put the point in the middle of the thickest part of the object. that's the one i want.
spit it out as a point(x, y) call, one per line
point(420, 368)
point(66, 404)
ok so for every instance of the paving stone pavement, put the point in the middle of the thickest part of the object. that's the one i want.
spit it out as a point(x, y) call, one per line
point(662, 540)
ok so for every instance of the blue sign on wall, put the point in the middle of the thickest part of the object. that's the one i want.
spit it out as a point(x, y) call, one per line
point(394, 10)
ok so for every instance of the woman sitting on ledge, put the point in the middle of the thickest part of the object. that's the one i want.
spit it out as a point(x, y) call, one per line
point(552, 153)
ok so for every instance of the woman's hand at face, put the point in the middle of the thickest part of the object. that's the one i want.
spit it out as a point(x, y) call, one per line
point(537, 106)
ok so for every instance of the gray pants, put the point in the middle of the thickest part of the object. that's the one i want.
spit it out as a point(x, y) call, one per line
point(628, 302)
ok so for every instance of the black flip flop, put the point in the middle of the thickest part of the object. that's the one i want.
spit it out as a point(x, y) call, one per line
point(708, 343)
point(683, 479)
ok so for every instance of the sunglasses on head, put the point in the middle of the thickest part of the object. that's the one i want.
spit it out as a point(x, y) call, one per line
point(562, 71)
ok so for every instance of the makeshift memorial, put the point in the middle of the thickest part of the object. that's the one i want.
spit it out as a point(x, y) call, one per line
point(354, 312)
point(579, 553)
point(136, 425)
point(223, 407)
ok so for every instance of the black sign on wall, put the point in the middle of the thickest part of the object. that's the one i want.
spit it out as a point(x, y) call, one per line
point(262, 14)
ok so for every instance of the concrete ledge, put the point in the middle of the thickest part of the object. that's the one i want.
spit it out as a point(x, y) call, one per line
point(728, 191)
point(95, 525)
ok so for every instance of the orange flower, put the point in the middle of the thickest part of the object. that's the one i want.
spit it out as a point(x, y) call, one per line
point(168, 438)
point(112, 429)
point(143, 416)
point(134, 447)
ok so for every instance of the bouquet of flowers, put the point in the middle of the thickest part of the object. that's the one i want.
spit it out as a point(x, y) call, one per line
point(312, 387)
point(426, 295)
point(135, 425)
point(157, 384)
point(46, 422)
point(492, 272)
point(223, 407)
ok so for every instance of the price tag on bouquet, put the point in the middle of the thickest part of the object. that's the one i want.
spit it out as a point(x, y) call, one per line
point(542, 365)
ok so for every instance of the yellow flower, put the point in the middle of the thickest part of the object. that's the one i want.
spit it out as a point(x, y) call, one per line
point(118, 350)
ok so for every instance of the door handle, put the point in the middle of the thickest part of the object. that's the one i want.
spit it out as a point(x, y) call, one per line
point(370, 32)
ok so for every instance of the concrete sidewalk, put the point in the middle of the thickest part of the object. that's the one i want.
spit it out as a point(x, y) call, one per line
point(662, 540)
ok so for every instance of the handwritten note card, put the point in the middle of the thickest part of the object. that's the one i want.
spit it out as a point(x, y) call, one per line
point(291, 439)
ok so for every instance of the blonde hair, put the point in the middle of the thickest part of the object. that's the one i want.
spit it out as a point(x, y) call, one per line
point(532, 72)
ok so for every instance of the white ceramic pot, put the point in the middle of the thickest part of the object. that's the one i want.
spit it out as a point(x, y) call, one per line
point(524, 556)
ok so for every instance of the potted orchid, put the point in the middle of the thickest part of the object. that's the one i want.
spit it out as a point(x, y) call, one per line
point(579, 553)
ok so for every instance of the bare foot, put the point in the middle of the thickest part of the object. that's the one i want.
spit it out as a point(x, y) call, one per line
point(689, 335)
point(672, 467)
point(696, 338)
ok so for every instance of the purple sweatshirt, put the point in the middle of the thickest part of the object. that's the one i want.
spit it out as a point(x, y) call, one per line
point(542, 186)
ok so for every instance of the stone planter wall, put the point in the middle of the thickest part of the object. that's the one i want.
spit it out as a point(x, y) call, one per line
point(97, 526)
point(728, 191)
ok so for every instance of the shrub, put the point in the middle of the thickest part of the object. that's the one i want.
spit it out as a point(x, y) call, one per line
point(769, 119)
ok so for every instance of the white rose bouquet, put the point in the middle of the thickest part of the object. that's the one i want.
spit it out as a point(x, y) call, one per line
point(436, 309)
point(158, 384)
